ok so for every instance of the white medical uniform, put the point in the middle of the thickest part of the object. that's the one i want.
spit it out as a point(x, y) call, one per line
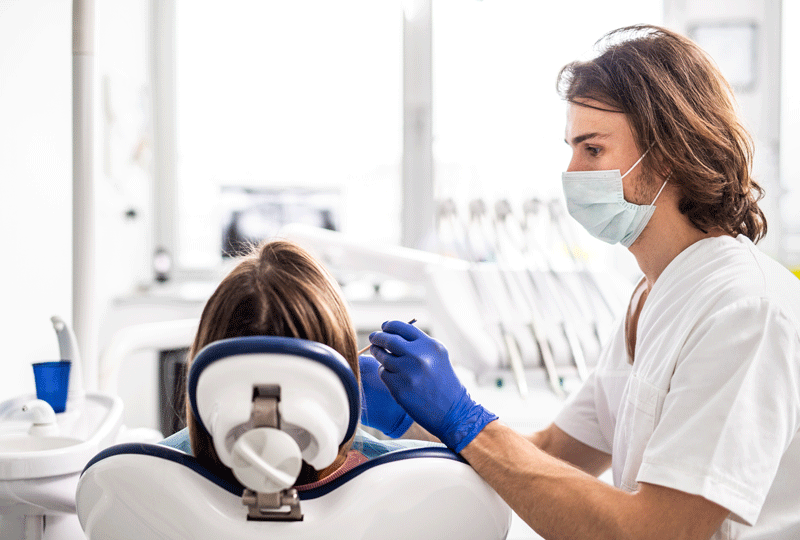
point(711, 404)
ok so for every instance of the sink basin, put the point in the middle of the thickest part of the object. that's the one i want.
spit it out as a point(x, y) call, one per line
point(83, 433)
point(39, 474)
point(10, 444)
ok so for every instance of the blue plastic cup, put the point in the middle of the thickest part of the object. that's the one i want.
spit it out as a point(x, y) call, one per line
point(52, 383)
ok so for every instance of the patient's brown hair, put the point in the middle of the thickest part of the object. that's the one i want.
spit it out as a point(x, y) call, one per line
point(676, 99)
point(278, 289)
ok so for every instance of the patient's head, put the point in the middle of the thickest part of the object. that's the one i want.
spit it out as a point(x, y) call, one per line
point(277, 290)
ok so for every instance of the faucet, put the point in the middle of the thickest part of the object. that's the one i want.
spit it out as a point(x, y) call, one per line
point(68, 348)
point(43, 417)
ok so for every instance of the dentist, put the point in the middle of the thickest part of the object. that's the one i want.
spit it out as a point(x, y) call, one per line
point(695, 401)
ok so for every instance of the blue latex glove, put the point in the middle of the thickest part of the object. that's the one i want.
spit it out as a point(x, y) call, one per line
point(379, 410)
point(416, 369)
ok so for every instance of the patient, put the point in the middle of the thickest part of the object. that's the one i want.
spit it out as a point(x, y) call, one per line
point(277, 290)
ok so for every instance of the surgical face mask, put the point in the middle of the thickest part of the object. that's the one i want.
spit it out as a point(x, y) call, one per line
point(595, 199)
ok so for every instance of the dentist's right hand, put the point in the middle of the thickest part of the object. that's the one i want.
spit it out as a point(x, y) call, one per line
point(416, 369)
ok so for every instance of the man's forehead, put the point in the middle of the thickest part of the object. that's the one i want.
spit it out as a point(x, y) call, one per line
point(579, 137)
point(583, 120)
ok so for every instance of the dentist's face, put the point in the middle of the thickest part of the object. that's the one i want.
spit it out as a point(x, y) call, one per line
point(602, 140)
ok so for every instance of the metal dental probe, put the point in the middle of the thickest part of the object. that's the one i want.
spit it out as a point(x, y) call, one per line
point(362, 351)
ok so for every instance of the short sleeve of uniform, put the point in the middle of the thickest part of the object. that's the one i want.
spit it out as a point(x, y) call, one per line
point(732, 409)
point(589, 414)
point(579, 419)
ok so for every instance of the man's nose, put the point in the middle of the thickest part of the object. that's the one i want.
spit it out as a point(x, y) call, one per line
point(573, 163)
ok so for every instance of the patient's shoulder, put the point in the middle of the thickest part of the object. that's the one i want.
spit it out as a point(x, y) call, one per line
point(179, 441)
point(371, 447)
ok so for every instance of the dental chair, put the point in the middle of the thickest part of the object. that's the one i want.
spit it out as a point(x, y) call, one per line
point(270, 403)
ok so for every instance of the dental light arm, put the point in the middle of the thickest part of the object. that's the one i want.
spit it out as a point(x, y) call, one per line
point(454, 312)
point(347, 253)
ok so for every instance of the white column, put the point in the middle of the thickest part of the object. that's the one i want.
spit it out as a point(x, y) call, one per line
point(417, 189)
point(162, 65)
point(84, 312)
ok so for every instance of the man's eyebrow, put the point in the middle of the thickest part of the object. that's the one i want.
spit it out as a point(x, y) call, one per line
point(580, 138)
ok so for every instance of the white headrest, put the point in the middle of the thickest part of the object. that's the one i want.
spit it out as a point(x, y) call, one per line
point(317, 394)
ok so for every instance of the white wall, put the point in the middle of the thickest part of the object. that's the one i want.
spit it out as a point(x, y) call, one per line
point(35, 184)
point(124, 147)
point(35, 167)
point(36, 170)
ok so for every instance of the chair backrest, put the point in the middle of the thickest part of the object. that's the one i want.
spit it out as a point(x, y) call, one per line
point(136, 491)
point(268, 404)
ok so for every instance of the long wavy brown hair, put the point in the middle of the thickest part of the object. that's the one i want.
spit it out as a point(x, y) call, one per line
point(278, 289)
point(676, 99)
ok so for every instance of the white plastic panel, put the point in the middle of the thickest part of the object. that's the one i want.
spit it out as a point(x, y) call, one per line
point(420, 498)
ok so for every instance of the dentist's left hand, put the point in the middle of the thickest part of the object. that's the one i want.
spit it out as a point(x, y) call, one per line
point(379, 410)
point(416, 369)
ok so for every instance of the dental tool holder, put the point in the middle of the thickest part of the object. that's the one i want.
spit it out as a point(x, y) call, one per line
point(267, 506)
point(506, 293)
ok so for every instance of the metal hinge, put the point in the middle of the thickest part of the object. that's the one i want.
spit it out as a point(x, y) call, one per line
point(271, 506)
point(283, 506)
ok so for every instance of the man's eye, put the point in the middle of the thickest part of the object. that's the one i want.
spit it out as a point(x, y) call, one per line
point(593, 150)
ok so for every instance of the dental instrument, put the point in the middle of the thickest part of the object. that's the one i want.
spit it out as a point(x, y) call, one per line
point(365, 349)
point(488, 292)
point(522, 296)
point(545, 280)
point(606, 304)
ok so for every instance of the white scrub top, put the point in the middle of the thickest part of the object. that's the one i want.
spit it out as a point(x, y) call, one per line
point(711, 404)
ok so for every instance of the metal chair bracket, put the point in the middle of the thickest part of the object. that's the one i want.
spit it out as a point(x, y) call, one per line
point(282, 506)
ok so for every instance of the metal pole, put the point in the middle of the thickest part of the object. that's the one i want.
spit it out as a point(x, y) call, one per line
point(163, 74)
point(84, 320)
